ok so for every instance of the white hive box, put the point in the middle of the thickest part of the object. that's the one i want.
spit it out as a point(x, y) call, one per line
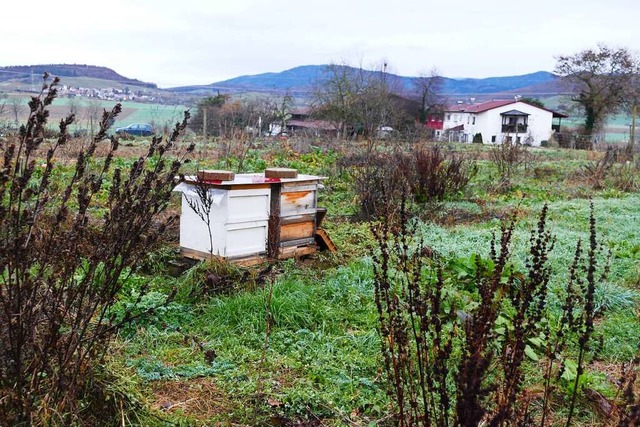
point(251, 217)
point(238, 218)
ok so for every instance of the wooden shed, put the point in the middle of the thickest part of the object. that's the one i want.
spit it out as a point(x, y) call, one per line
point(251, 217)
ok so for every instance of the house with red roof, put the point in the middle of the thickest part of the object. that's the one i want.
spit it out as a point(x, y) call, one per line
point(299, 122)
point(499, 121)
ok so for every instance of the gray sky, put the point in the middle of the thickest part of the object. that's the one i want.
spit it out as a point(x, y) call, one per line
point(181, 42)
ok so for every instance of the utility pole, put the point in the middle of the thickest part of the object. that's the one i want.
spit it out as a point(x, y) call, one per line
point(632, 137)
point(204, 121)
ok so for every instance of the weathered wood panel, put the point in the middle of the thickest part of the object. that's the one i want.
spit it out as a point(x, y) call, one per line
point(297, 203)
point(298, 230)
point(296, 251)
point(244, 261)
point(293, 219)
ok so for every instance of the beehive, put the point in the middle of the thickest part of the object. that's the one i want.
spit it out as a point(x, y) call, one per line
point(252, 217)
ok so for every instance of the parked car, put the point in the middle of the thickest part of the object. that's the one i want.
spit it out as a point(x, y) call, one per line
point(136, 129)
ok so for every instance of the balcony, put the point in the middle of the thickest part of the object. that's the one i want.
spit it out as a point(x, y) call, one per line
point(517, 128)
point(555, 128)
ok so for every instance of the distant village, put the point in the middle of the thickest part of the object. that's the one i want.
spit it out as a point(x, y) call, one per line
point(108, 94)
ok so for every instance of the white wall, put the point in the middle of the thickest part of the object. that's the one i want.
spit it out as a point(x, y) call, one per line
point(489, 123)
point(539, 124)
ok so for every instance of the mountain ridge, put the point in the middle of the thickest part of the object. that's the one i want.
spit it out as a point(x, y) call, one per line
point(302, 78)
point(300, 81)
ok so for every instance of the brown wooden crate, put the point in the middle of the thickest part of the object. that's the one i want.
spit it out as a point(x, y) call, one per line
point(281, 173)
point(298, 230)
point(215, 175)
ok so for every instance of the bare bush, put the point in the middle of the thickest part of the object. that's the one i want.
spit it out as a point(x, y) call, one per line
point(439, 174)
point(380, 182)
point(67, 243)
point(508, 157)
point(597, 171)
point(424, 175)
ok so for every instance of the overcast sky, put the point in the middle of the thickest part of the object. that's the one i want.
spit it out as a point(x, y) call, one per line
point(182, 42)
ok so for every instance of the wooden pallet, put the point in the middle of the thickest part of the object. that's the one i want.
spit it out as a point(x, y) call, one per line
point(244, 261)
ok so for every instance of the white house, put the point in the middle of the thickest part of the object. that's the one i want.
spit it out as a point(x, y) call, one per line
point(498, 121)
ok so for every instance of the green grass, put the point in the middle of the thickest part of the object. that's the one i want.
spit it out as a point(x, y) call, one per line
point(322, 354)
point(322, 358)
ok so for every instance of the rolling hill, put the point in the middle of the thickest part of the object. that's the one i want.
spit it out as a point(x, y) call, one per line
point(300, 81)
point(27, 73)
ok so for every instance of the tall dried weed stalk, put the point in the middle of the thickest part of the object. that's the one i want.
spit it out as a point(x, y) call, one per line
point(67, 241)
point(458, 357)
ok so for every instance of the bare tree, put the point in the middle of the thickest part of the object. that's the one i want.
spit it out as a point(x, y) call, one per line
point(3, 103)
point(428, 86)
point(282, 110)
point(600, 79)
point(357, 101)
point(334, 95)
point(73, 106)
point(93, 114)
point(16, 108)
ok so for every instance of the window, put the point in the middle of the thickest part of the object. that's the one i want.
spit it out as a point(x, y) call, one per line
point(448, 116)
point(493, 138)
point(474, 120)
point(518, 140)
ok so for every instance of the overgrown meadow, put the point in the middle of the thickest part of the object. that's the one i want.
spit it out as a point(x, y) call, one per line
point(313, 341)
point(301, 343)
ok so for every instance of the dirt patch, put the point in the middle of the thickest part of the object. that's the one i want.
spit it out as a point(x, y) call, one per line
point(197, 398)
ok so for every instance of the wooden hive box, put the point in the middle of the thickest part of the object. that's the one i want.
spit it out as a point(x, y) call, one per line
point(292, 222)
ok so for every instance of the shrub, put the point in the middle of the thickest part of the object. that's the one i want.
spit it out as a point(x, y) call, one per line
point(508, 157)
point(458, 358)
point(596, 172)
point(66, 243)
point(477, 138)
point(438, 174)
point(380, 182)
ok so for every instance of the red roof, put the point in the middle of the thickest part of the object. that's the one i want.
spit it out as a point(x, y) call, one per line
point(479, 108)
point(490, 105)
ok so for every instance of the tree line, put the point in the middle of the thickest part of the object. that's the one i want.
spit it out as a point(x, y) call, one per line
point(367, 103)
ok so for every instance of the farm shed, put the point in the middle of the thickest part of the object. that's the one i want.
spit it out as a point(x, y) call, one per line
point(247, 218)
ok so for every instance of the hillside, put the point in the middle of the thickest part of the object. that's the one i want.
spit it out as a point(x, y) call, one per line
point(26, 72)
point(300, 80)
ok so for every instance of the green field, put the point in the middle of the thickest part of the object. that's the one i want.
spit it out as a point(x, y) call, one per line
point(159, 115)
